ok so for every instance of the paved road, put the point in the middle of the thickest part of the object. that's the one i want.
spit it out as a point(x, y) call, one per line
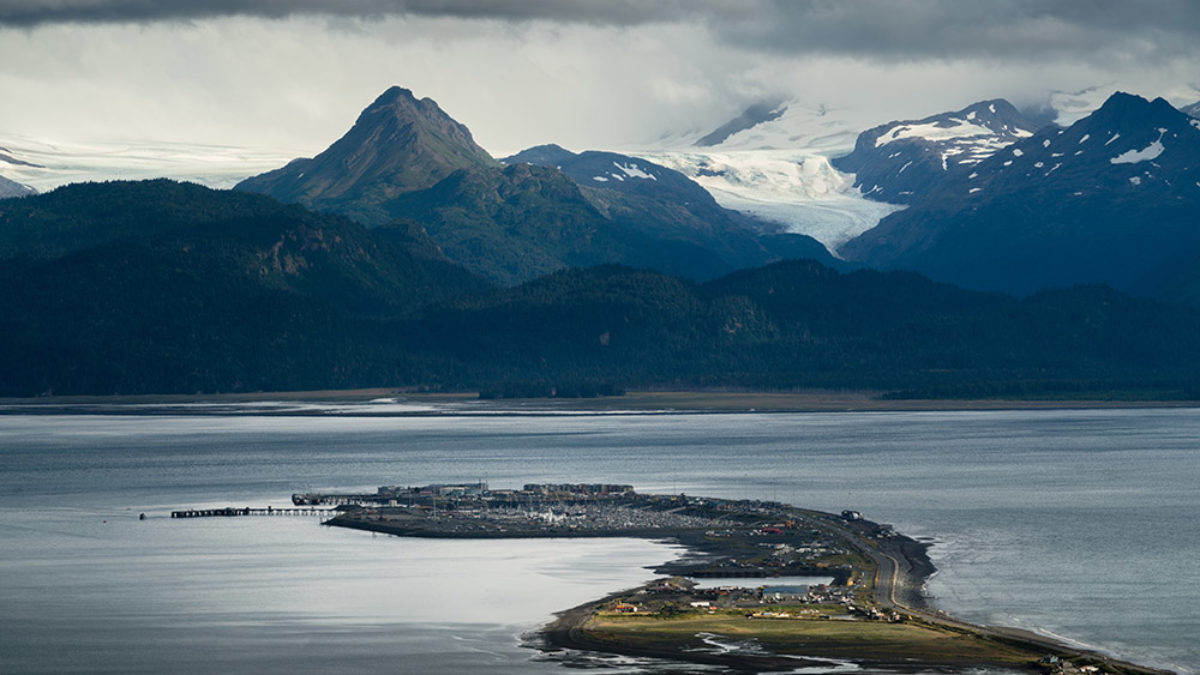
point(892, 571)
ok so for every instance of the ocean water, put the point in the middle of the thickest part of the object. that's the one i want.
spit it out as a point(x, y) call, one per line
point(1083, 524)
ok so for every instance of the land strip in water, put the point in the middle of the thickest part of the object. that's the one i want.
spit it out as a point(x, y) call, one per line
point(871, 610)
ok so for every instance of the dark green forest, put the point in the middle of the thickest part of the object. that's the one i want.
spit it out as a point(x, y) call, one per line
point(161, 287)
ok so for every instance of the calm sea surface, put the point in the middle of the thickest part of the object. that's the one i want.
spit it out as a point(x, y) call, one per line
point(1084, 524)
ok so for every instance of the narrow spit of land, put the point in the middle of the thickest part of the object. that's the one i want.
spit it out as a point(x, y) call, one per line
point(871, 611)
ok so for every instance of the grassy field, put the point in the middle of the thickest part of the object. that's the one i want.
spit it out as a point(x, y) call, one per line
point(865, 640)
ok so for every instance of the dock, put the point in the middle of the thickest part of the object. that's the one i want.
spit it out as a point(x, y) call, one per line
point(229, 511)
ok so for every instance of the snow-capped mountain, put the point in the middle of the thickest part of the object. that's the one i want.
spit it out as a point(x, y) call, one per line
point(608, 170)
point(1192, 110)
point(757, 114)
point(10, 188)
point(898, 162)
point(1111, 199)
point(653, 197)
point(772, 124)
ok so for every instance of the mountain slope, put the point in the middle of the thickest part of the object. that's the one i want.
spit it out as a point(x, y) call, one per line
point(899, 162)
point(397, 144)
point(179, 289)
point(1112, 199)
point(166, 287)
point(663, 204)
point(758, 113)
point(406, 159)
point(251, 236)
point(9, 188)
point(514, 225)
point(798, 323)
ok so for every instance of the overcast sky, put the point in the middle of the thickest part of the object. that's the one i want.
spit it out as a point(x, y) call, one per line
point(293, 74)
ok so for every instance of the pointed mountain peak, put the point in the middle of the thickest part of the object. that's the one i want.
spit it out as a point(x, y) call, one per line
point(994, 106)
point(393, 94)
point(403, 103)
point(399, 143)
point(1133, 116)
point(1121, 104)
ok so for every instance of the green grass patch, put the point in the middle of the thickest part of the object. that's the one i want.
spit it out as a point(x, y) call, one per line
point(867, 640)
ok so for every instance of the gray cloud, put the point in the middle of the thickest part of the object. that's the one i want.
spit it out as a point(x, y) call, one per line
point(906, 29)
point(1091, 29)
point(29, 13)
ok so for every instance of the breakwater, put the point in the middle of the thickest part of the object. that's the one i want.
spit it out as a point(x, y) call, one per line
point(230, 511)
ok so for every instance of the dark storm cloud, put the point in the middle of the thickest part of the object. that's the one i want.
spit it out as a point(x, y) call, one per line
point(906, 29)
point(958, 28)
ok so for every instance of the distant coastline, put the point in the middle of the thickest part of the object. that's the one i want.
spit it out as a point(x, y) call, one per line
point(468, 403)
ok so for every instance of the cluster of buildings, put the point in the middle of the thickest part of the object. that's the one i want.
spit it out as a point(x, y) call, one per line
point(465, 494)
point(674, 595)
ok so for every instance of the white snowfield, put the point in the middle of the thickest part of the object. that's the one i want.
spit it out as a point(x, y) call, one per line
point(46, 166)
point(933, 132)
point(812, 126)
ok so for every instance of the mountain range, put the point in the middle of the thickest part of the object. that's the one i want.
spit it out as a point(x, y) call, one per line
point(406, 159)
point(1112, 199)
point(898, 162)
point(407, 256)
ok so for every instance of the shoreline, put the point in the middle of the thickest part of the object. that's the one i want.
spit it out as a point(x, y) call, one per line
point(568, 629)
point(889, 577)
point(682, 402)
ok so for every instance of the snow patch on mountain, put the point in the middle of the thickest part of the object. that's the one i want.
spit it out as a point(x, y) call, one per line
point(933, 132)
point(1145, 154)
point(631, 170)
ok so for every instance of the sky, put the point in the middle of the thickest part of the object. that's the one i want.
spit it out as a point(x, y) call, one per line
point(292, 75)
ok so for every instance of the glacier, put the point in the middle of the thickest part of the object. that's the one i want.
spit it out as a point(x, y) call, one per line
point(797, 189)
point(47, 165)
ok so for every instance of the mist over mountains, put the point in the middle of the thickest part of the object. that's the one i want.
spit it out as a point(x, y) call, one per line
point(405, 255)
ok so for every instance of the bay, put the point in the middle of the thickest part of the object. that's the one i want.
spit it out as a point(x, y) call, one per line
point(1078, 523)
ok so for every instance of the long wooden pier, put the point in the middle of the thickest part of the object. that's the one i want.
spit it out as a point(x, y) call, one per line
point(248, 511)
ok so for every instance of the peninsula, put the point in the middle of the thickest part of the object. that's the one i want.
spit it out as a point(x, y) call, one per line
point(805, 586)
